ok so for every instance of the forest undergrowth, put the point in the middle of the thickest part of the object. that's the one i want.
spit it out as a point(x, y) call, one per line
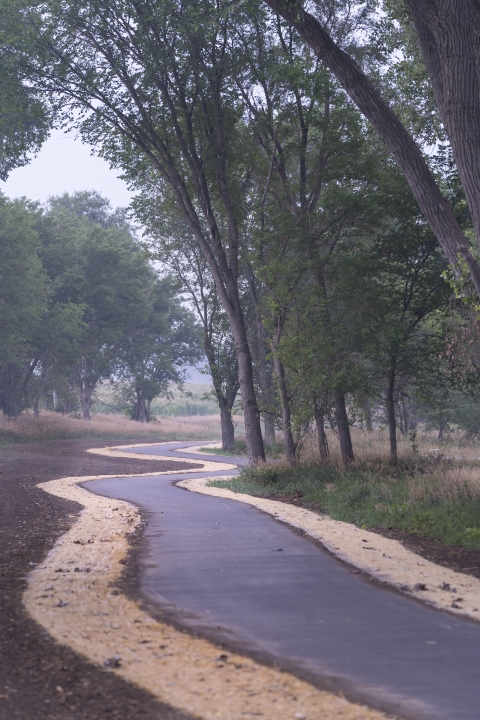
point(433, 491)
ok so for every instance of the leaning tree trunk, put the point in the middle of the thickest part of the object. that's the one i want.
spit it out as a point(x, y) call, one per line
point(321, 435)
point(343, 427)
point(401, 144)
point(228, 428)
point(392, 423)
point(288, 442)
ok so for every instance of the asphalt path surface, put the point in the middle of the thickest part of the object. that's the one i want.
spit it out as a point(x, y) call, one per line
point(226, 569)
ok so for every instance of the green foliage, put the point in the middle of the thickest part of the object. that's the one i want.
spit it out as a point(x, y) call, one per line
point(24, 302)
point(163, 343)
point(80, 303)
point(365, 497)
point(25, 121)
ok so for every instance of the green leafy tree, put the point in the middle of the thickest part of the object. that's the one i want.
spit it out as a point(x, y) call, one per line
point(102, 270)
point(310, 160)
point(151, 87)
point(24, 300)
point(171, 243)
point(25, 121)
point(447, 35)
point(37, 331)
point(159, 350)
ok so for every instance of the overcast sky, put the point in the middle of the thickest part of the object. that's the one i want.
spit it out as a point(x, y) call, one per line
point(65, 165)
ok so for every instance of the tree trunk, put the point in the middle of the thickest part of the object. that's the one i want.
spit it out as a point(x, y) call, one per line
point(321, 435)
point(443, 424)
point(343, 427)
point(401, 144)
point(399, 415)
point(141, 410)
point(269, 425)
point(448, 39)
point(85, 404)
point(264, 379)
point(368, 415)
point(288, 442)
point(228, 428)
point(392, 425)
point(262, 367)
point(405, 417)
point(253, 430)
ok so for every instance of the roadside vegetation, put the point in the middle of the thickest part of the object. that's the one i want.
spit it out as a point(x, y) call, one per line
point(433, 491)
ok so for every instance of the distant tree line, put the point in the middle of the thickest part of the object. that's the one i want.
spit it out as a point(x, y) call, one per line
point(80, 304)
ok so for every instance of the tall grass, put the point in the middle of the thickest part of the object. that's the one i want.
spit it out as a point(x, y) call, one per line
point(53, 426)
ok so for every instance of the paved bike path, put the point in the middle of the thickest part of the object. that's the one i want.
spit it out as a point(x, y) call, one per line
point(226, 566)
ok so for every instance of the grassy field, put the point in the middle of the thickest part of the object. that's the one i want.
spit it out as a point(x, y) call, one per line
point(54, 426)
point(188, 403)
point(434, 491)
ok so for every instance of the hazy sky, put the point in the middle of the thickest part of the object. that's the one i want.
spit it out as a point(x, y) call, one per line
point(65, 165)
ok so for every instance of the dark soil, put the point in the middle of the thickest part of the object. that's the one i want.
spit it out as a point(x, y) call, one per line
point(456, 558)
point(38, 677)
point(453, 557)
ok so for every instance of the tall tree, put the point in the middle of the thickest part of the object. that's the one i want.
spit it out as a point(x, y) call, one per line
point(24, 296)
point(25, 121)
point(148, 85)
point(159, 349)
point(170, 242)
point(104, 271)
point(447, 32)
point(36, 330)
point(308, 159)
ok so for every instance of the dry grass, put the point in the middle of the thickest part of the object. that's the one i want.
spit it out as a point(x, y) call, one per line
point(441, 469)
point(53, 426)
point(374, 446)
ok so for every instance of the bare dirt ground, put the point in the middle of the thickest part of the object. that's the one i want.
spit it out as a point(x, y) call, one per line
point(38, 677)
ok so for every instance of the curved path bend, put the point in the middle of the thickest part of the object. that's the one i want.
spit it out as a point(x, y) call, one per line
point(237, 575)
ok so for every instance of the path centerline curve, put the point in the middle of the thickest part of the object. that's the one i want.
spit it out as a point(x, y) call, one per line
point(420, 694)
point(73, 595)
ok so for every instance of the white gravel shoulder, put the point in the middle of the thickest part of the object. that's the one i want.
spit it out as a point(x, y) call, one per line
point(72, 594)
